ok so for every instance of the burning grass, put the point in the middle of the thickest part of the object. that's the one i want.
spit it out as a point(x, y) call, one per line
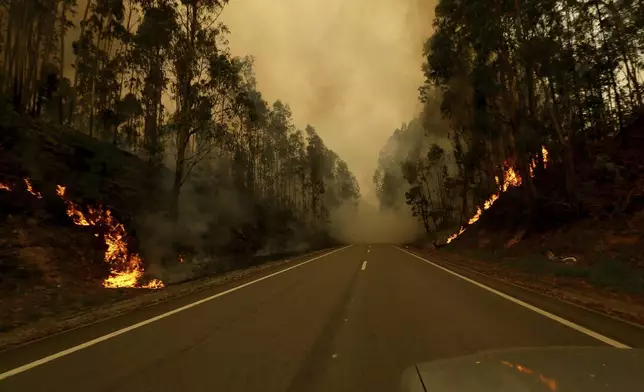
point(126, 269)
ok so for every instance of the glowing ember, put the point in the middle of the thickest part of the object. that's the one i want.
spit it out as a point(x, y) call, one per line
point(511, 179)
point(30, 188)
point(5, 187)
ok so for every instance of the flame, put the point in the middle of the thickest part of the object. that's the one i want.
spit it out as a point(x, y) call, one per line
point(533, 163)
point(126, 269)
point(5, 187)
point(154, 284)
point(30, 188)
point(453, 236)
point(551, 383)
point(181, 260)
point(511, 179)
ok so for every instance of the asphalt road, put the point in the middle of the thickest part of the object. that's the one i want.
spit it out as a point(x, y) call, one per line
point(333, 324)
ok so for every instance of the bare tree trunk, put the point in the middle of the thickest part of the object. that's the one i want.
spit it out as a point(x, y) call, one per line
point(63, 32)
point(183, 137)
point(566, 143)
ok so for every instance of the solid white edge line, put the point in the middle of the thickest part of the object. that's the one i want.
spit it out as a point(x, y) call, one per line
point(542, 312)
point(364, 265)
point(121, 331)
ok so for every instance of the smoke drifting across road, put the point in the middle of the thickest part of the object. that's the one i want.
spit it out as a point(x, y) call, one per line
point(369, 224)
point(350, 68)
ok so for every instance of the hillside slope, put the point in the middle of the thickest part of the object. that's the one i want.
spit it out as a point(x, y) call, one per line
point(595, 258)
point(78, 214)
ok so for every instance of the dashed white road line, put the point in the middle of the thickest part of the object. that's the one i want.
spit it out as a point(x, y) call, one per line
point(542, 312)
point(364, 265)
point(121, 331)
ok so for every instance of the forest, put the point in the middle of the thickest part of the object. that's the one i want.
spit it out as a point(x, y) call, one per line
point(156, 78)
point(545, 94)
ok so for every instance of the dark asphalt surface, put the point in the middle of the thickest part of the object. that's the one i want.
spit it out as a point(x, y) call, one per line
point(324, 326)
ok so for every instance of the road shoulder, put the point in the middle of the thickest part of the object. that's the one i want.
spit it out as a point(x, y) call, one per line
point(621, 330)
point(147, 303)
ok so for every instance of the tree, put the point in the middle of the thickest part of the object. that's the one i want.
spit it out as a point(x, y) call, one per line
point(156, 78)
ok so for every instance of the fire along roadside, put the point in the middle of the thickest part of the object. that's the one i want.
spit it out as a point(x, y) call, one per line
point(511, 179)
point(126, 269)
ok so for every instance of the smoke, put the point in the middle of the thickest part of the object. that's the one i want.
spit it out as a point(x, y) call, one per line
point(367, 223)
point(350, 68)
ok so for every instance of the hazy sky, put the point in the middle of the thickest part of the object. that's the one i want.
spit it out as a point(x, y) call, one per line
point(350, 68)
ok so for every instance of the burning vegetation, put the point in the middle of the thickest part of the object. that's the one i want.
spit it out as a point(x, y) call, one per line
point(126, 269)
point(511, 179)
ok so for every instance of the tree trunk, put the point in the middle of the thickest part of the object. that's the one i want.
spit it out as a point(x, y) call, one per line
point(567, 156)
point(178, 179)
point(63, 31)
point(183, 137)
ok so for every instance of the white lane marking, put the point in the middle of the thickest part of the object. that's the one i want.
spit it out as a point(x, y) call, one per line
point(542, 312)
point(364, 265)
point(121, 331)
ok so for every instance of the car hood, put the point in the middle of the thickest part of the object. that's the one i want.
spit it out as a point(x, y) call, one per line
point(556, 369)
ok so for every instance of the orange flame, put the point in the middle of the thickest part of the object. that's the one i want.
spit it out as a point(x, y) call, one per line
point(154, 284)
point(533, 163)
point(511, 179)
point(30, 188)
point(126, 269)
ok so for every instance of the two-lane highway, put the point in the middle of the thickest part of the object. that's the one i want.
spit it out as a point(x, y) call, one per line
point(351, 320)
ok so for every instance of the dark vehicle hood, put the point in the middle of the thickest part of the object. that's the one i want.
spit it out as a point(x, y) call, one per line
point(556, 369)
